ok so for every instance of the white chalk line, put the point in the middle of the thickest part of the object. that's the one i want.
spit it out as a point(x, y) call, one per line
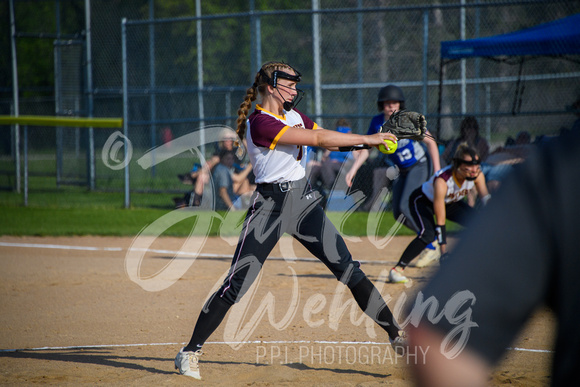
point(262, 342)
point(61, 247)
point(181, 344)
point(161, 251)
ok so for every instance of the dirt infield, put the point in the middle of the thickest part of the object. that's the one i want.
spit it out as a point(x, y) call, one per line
point(71, 312)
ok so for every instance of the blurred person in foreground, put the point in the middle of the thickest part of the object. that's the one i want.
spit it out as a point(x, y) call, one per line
point(575, 108)
point(518, 255)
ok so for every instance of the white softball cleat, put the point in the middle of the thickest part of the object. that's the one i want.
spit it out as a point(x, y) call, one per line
point(428, 256)
point(187, 363)
point(400, 344)
point(396, 277)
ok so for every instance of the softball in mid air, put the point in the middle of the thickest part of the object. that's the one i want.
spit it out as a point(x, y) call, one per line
point(392, 147)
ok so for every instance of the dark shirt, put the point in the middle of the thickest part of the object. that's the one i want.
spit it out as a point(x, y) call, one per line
point(520, 253)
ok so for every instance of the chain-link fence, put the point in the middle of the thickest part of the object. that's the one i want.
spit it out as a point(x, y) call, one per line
point(185, 69)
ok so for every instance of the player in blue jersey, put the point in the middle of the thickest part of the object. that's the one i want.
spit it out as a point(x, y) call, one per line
point(414, 166)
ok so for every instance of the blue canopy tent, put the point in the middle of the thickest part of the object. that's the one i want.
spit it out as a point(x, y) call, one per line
point(557, 38)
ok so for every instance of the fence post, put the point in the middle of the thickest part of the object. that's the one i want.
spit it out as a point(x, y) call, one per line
point(462, 63)
point(360, 64)
point(316, 58)
point(425, 57)
point(90, 108)
point(25, 144)
point(15, 93)
point(125, 108)
point(152, 85)
point(200, 101)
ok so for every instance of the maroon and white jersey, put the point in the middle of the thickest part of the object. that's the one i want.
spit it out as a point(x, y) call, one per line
point(273, 162)
point(455, 192)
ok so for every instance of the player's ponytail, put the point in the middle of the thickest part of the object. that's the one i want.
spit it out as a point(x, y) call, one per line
point(244, 109)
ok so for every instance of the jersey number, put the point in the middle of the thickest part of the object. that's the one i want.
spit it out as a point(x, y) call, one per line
point(404, 155)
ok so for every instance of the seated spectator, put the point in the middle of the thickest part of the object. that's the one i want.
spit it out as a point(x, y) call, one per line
point(493, 170)
point(515, 150)
point(469, 133)
point(199, 175)
point(313, 163)
point(501, 160)
point(228, 185)
point(523, 138)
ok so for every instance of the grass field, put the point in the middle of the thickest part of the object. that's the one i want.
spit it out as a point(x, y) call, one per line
point(77, 211)
point(59, 209)
point(128, 222)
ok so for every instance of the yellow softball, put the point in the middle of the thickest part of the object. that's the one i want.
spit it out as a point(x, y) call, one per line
point(392, 147)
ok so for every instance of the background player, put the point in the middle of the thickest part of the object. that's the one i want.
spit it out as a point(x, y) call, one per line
point(439, 199)
point(277, 137)
point(410, 159)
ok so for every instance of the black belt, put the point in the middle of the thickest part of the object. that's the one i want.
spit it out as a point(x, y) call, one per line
point(278, 187)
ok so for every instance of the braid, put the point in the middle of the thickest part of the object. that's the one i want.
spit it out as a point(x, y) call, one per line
point(258, 87)
point(243, 110)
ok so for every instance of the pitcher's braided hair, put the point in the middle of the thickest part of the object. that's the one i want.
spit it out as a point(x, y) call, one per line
point(259, 87)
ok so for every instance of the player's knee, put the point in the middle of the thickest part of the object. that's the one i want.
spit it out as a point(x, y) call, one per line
point(428, 236)
point(351, 276)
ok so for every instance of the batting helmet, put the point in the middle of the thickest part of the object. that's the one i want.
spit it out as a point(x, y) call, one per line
point(390, 93)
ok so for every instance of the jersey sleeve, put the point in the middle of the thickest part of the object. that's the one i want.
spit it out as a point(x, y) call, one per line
point(266, 130)
point(308, 123)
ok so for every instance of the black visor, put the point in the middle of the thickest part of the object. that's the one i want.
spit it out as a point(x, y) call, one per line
point(473, 161)
point(280, 74)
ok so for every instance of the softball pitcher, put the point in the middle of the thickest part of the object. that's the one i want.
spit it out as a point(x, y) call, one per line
point(277, 136)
